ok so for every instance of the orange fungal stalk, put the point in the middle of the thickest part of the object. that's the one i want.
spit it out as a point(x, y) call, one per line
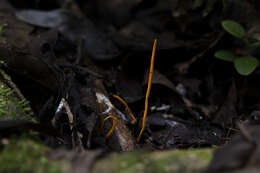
point(148, 90)
point(126, 107)
point(115, 121)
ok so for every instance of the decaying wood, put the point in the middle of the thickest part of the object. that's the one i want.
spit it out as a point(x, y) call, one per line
point(122, 135)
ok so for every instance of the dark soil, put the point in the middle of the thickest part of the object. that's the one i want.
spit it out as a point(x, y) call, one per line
point(84, 52)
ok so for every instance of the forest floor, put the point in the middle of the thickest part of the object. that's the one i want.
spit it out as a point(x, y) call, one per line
point(69, 68)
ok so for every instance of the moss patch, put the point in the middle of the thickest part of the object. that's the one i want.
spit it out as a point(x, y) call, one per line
point(184, 161)
point(12, 107)
point(28, 156)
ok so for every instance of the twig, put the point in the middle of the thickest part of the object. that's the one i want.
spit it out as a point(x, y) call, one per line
point(68, 110)
point(100, 112)
point(64, 103)
point(7, 80)
point(245, 133)
point(79, 52)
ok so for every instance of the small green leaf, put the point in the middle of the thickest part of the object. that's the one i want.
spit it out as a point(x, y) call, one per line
point(234, 28)
point(225, 55)
point(246, 65)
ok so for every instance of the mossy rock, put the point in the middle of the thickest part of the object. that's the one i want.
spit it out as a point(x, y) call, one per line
point(183, 161)
point(25, 155)
point(28, 156)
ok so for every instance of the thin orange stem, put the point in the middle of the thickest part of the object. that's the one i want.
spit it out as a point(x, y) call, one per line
point(101, 114)
point(148, 90)
point(115, 121)
point(126, 107)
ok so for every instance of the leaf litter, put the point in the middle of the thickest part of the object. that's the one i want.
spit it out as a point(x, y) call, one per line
point(84, 53)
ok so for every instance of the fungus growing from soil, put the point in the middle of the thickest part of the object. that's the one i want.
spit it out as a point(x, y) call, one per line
point(115, 120)
point(148, 90)
point(126, 107)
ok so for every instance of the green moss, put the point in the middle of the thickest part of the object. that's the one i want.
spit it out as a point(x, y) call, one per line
point(28, 156)
point(12, 107)
point(184, 161)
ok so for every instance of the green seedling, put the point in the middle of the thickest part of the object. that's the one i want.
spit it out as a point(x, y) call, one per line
point(234, 28)
point(246, 64)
